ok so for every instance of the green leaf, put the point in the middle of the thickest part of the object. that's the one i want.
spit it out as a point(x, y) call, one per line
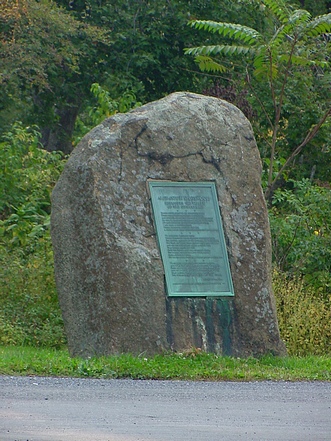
point(299, 16)
point(265, 64)
point(232, 30)
point(207, 64)
point(219, 49)
point(319, 25)
point(279, 8)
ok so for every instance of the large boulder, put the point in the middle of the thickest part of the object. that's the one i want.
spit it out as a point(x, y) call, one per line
point(109, 273)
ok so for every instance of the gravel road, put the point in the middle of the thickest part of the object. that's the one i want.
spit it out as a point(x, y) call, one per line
point(67, 409)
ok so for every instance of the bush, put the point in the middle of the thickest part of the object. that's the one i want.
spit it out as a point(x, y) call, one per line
point(300, 221)
point(30, 313)
point(304, 316)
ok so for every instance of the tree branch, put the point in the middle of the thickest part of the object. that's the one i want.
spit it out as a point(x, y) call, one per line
point(311, 134)
point(278, 109)
point(248, 80)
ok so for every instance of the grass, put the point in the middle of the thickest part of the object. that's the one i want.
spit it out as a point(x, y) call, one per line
point(15, 360)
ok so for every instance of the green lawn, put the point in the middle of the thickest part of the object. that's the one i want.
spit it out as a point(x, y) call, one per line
point(17, 360)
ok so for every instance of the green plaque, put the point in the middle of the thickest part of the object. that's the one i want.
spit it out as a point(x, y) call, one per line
point(191, 239)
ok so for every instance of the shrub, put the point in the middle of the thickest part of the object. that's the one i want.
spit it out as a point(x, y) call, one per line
point(304, 316)
point(300, 221)
point(30, 313)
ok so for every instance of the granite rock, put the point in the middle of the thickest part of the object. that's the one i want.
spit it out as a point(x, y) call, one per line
point(108, 269)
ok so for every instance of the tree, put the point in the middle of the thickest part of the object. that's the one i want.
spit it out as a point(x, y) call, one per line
point(315, 8)
point(146, 54)
point(293, 52)
point(54, 51)
point(49, 60)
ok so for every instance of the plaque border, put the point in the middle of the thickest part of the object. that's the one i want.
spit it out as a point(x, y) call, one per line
point(151, 183)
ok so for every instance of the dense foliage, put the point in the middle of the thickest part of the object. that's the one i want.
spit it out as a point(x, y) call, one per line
point(67, 65)
point(303, 316)
point(287, 72)
point(29, 313)
point(301, 229)
point(49, 60)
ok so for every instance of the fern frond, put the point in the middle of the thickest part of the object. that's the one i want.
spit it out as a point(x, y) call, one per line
point(207, 64)
point(219, 49)
point(319, 25)
point(279, 9)
point(235, 31)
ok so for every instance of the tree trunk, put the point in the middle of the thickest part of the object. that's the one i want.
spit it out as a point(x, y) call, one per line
point(59, 136)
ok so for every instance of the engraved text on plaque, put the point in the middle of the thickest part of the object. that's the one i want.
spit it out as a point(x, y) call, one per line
point(191, 238)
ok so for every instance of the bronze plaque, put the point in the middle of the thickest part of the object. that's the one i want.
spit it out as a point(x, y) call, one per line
point(191, 239)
